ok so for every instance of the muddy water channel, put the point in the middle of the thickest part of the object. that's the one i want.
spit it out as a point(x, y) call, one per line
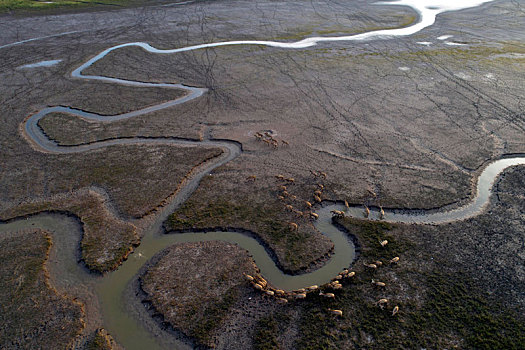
point(127, 323)
point(122, 313)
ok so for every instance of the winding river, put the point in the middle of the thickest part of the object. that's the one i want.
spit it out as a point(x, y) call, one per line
point(127, 323)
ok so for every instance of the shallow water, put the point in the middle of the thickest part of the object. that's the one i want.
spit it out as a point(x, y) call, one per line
point(41, 64)
point(469, 210)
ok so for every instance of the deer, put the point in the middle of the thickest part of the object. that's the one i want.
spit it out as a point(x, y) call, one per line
point(367, 212)
point(323, 174)
point(383, 242)
point(308, 204)
point(372, 266)
point(280, 177)
point(314, 215)
point(382, 302)
point(298, 213)
point(251, 178)
point(379, 284)
point(394, 260)
point(289, 207)
point(300, 295)
point(395, 310)
point(327, 295)
point(381, 213)
point(262, 281)
point(293, 226)
point(249, 278)
point(317, 199)
point(285, 143)
point(337, 213)
point(336, 312)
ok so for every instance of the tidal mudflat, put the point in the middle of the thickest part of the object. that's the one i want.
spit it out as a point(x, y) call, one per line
point(359, 164)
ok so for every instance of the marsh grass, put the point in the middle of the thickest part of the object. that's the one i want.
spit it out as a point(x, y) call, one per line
point(195, 285)
point(106, 241)
point(34, 315)
point(265, 221)
point(100, 340)
point(444, 309)
point(267, 331)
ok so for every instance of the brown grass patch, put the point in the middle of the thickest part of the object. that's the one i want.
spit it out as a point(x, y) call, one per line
point(107, 240)
point(193, 285)
point(34, 315)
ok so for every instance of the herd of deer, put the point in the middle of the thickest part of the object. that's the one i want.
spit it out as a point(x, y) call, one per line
point(267, 138)
point(285, 196)
point(259, 283)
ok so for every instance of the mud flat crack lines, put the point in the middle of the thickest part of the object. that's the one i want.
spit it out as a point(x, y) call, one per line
point(427, 10)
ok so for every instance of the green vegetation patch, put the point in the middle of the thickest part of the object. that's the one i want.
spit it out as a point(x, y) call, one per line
point(227, 199)
point(10, 5)
point(34, 315)
point(502, 52)
point(222, 213)
point(255, 217)
point(370, 233)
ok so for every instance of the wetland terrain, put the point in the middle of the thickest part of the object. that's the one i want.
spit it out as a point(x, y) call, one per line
point(262, 175)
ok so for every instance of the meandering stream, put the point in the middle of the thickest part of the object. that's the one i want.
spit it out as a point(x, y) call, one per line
point(129, 330)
